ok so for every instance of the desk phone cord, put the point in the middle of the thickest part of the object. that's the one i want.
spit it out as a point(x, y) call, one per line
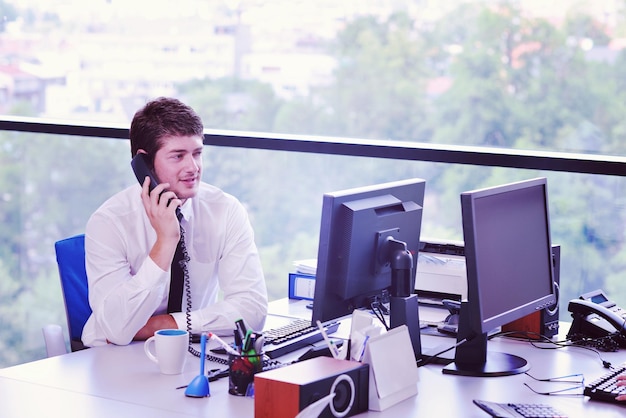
point(183, 263)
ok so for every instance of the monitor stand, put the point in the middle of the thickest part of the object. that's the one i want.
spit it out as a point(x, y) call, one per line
point(405, 311)
point(472, 358)
point(496, 364)
point(403, 303)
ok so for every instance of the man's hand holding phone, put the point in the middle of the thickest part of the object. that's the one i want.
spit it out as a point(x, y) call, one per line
point(159, 202)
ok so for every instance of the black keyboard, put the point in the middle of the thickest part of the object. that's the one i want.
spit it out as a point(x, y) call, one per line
point(294, 336)
point(517, 410)
point(605, 388)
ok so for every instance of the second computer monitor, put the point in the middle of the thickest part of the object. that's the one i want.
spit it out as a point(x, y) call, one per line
point(510, 273)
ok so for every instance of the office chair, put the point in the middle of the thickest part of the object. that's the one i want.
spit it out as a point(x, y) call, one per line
point(54, 341)
point(70, 254)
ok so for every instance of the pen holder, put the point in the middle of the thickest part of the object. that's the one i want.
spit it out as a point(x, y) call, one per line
point(241, 371)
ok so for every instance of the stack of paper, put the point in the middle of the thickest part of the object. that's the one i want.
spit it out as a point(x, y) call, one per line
point(308, 266)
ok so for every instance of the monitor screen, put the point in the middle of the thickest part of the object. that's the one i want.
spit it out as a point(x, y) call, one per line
point(509, 267)
point(360, 229)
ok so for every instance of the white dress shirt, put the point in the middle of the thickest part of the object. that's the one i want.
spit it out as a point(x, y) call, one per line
point(126, 287)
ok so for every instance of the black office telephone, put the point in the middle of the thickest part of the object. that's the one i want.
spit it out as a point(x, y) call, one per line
point(595, 316)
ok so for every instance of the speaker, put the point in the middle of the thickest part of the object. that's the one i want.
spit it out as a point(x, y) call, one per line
point(284, 392)
point(546, 321)
point(550, 315)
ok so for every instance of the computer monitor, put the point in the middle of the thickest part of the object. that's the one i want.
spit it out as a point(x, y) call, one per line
point(365, 234)
point(509, 271)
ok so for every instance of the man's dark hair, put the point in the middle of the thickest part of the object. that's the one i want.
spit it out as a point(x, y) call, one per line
point(159, 118)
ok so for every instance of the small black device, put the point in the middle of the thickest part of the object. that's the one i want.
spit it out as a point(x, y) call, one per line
point(450, 325)
point(604, 388)
point(595, 316)
point(319, 350)
point(139, 163)
point(518, 410)
point(140, 167)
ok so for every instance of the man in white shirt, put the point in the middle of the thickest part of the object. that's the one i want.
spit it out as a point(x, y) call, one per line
point(131, 239)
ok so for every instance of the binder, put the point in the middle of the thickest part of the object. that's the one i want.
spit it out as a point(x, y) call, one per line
point(301, 286)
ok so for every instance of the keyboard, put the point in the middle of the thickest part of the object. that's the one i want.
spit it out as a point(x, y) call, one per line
point(517, 410)
point(291, 337)
point(604, 388)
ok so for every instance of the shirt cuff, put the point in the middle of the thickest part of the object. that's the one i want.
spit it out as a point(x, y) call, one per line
point(181, 319)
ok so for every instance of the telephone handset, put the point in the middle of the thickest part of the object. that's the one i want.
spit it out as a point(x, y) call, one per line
point(141, 170)
point(595, 316)
point(140, 167)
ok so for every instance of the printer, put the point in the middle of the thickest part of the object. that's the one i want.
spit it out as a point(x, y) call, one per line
point(440, 272)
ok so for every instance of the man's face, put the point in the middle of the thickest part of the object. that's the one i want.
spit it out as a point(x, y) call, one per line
point(179, 163)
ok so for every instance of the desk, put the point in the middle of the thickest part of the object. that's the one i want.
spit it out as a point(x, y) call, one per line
point(121, 381)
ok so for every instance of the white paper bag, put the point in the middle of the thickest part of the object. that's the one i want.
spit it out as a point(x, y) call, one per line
point(393, 369)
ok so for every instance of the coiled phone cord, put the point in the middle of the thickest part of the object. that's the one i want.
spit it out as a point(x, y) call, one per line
point(183, 264)
point(267, 364)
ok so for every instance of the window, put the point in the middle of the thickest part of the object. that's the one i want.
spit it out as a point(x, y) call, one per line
point(518, 74)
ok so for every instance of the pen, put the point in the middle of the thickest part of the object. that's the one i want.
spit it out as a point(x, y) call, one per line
point(258, 344)
point(248, 341)
point(367, 337)
point(223, 343)
point(332, 347)
point(242, 330)
point(250, 347)
point(238, 340)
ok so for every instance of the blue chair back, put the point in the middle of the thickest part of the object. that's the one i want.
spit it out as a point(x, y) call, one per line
point(70, 254)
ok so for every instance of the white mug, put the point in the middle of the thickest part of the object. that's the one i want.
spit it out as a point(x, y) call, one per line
point(171, 349)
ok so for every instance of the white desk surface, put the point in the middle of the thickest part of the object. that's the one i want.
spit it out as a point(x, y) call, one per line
point(121, 381)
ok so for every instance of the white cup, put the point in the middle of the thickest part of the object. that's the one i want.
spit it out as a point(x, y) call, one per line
point(171, 349)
